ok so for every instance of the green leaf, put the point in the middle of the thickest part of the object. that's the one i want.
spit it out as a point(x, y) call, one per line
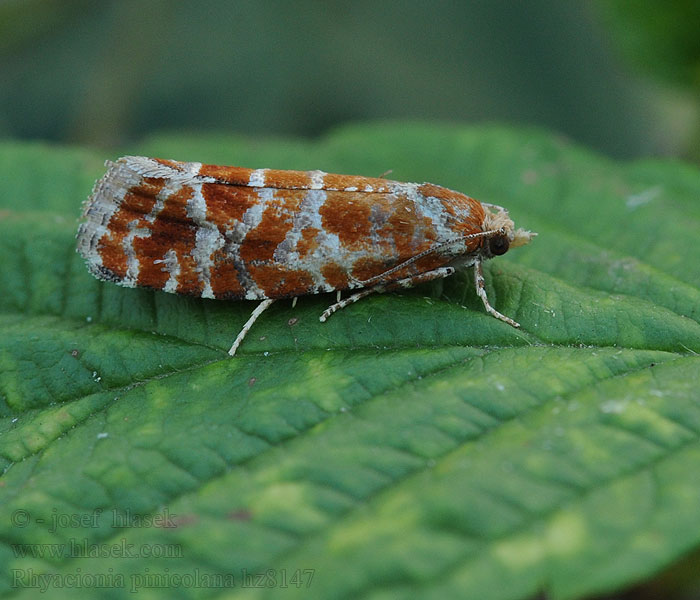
point(412, 446)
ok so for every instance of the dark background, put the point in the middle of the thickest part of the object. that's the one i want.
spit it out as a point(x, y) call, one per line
point(618, 76)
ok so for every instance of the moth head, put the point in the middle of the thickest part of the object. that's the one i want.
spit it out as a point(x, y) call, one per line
point(503, 234)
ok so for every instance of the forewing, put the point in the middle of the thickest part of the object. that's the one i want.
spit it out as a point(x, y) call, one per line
point(231, 232)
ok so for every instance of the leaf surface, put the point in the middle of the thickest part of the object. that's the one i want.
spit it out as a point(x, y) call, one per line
point(412, 446)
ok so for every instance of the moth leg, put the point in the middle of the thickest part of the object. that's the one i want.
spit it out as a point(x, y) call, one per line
point(413, 280)
point(481, 291)
point(407, 282)
point(259, 309)
point(349, 300)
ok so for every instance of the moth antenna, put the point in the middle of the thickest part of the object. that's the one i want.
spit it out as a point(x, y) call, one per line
point(420, 255)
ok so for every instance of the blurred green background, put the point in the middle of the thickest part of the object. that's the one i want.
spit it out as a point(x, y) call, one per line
point(619, 76)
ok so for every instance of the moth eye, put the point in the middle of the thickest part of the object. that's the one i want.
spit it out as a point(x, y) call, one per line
point(499, 245)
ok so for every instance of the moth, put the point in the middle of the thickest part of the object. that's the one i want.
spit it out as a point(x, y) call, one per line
point(264, 234)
